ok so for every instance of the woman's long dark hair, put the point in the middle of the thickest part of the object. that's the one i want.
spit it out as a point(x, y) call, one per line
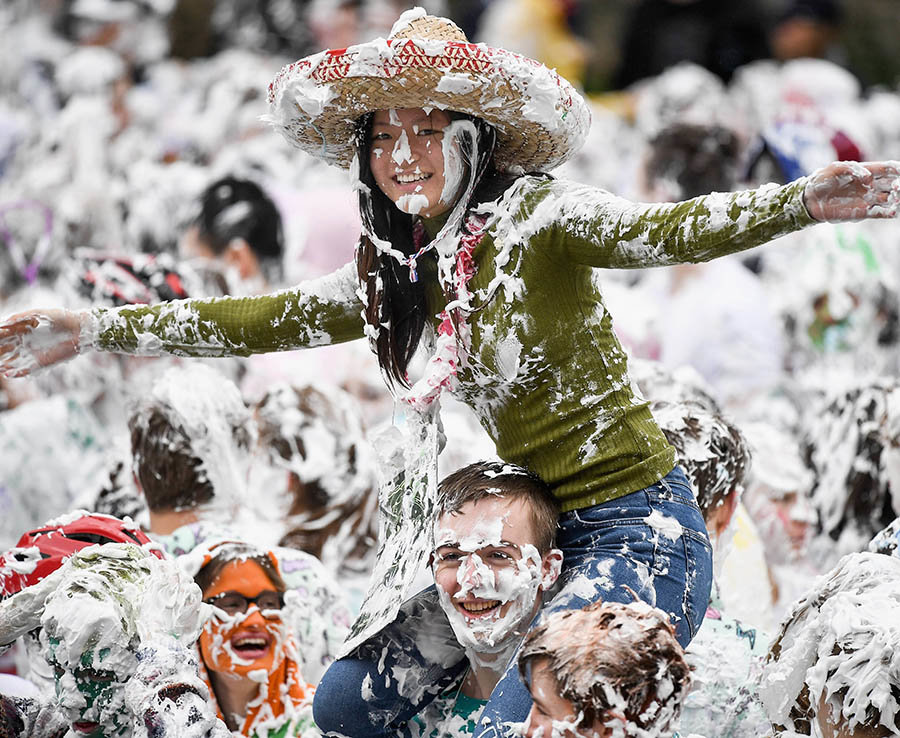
point(395, 306)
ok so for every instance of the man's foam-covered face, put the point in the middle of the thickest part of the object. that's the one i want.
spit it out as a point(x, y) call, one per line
point(489, 573)
point(90, 691)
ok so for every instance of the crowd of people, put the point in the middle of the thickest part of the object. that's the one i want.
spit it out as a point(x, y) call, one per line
point(557, 495)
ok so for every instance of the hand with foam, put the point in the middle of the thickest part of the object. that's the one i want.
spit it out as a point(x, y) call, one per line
point(849, 190)
point(38, 338)
point(167, 696)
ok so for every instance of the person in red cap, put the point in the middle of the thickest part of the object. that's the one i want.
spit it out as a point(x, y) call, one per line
point(115, 624)
point(471, 249)
point(41, 551)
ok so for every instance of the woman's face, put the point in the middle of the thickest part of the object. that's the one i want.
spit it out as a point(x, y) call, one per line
point(242, 636)
point(407, 159)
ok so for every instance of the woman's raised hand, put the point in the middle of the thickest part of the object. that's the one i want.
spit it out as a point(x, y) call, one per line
point(850, 190)
point(38, 338)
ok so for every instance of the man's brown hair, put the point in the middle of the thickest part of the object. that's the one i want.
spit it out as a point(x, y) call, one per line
point(170, 474)
point(723, 467)
point(485, 479)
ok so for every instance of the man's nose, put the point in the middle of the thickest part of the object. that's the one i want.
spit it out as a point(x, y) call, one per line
point(472, 574)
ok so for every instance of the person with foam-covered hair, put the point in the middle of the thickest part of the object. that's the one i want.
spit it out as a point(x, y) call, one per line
point(191, 436)
point(316, 464)
point(834, 668)
point(609, 670)
point(853, 447)
point(777, 498)
point(117, 624)
point(191, 439)
point(726, 654)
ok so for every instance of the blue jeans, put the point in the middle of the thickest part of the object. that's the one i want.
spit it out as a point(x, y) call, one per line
point(652, 542)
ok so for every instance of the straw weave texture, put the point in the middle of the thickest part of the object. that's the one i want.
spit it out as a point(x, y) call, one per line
point(539, 117)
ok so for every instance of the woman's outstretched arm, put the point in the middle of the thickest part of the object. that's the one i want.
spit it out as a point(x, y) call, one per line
point(315, 313)
point(593, 227)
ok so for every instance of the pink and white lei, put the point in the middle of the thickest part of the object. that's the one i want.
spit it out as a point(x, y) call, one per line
point(453, 331)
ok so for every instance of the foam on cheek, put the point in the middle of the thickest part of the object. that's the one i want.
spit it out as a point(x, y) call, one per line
point(454, 166)
point(509, 584)
point(70, 700)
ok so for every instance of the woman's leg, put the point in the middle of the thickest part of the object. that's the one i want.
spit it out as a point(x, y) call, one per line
point(378, 688)
point(652, 543)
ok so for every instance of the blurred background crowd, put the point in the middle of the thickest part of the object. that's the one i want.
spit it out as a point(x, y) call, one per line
point(136, 165)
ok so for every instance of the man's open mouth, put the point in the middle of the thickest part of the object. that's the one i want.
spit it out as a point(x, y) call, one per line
point(480, 608)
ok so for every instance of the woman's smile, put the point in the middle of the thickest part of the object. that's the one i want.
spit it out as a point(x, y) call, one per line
point(251, 644)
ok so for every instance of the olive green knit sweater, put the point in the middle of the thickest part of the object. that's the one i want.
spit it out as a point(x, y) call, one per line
point(542, 369)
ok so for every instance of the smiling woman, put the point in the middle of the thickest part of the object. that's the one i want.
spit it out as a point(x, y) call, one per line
point(408, 161)
point(247, 638)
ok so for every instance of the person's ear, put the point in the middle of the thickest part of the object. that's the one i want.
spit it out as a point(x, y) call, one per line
point(724, 513)
point(550, 568)
point(240, 256)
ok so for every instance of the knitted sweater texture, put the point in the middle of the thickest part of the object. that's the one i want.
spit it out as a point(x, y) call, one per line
point(541, 365)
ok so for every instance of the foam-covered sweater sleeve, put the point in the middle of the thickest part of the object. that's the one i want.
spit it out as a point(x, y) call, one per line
point(317, 312)
point(593, 227)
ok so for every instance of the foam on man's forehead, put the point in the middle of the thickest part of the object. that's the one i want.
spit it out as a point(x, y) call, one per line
point(468, 531)
point(484, 522)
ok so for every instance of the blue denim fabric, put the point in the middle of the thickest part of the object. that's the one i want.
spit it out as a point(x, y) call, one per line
point(631, 544)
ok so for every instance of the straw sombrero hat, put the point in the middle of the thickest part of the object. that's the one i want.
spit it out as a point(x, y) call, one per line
point(427, 62)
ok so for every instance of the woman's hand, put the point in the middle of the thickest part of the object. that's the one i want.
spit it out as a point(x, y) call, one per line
point(38, 338)
point(850, 190)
